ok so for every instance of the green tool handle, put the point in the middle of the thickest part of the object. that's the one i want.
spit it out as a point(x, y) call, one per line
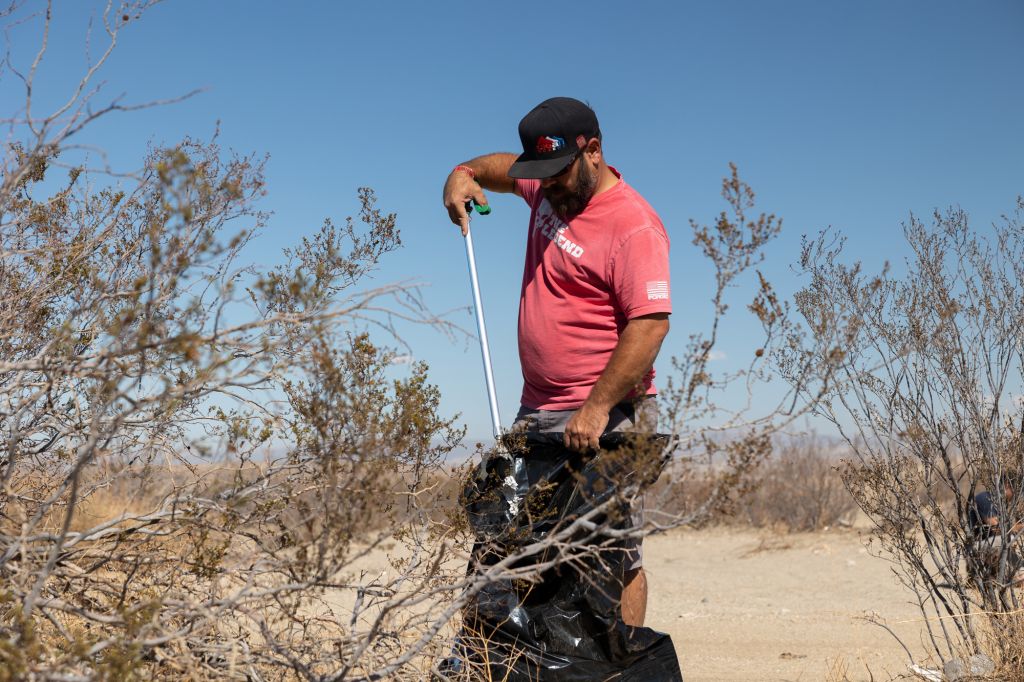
point(482, 209)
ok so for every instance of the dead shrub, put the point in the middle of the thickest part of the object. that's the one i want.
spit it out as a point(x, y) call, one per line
point(920, 373)
point(797, 488)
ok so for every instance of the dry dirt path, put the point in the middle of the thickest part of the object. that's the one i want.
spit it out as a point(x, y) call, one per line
point(744, 605)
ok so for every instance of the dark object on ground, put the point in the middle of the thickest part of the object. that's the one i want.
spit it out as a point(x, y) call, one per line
point(567, 626)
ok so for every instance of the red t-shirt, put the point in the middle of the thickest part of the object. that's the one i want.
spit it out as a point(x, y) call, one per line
point(582, 282)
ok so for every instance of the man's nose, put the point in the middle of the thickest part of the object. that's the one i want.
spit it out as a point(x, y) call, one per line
point(547, 182)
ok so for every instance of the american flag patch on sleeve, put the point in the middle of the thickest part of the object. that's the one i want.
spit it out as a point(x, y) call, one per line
point(657, 291)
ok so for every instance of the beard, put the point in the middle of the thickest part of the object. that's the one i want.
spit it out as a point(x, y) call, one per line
point(567, 203)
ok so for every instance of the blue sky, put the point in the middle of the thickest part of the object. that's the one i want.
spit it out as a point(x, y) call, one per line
point(848, 115)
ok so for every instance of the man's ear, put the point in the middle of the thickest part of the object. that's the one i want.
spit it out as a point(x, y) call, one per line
point(593, 150)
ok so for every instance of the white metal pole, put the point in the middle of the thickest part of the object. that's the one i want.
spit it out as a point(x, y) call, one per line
point(492, 397)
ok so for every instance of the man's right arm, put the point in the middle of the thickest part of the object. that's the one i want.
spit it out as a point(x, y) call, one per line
point(489, 172)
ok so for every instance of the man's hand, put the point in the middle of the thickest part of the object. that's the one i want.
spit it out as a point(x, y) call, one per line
point(633, 355)
point(458, 189)
point(469, 181)
point(584, 429)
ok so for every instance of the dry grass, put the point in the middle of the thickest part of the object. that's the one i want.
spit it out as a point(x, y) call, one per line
point(838, 670)
point(798, 489)
point(1003, 635)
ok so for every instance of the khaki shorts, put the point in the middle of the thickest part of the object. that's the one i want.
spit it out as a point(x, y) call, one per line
point(640, 415)
point(637, 415)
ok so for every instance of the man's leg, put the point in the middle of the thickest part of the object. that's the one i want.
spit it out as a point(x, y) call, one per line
point(634, 597)
point(641, 415)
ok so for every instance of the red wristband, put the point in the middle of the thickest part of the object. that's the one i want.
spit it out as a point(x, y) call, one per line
point(465, 169)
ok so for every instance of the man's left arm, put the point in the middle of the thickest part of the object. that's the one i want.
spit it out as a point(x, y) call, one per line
point(633, 356)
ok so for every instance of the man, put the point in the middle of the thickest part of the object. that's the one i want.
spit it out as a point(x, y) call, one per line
point(595, 298)
point(984, 519)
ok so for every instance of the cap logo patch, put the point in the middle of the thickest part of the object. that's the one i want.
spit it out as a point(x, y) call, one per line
point(549, 143)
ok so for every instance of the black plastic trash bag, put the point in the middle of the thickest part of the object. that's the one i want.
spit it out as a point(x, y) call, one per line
point(567, 626)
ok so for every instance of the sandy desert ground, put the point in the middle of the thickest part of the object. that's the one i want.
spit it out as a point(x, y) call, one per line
point(749, 605)
point(746, 605)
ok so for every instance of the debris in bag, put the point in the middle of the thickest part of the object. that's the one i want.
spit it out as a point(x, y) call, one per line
point(565, 625)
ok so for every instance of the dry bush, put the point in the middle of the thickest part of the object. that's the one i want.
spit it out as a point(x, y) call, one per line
point(921, 374)
point(797, 488)
point(199, 453)
point(1005, 638)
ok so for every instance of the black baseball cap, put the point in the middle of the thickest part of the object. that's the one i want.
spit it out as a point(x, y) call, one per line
point(551, 135)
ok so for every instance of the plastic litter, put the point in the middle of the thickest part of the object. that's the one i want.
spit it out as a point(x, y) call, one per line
point(566, 626)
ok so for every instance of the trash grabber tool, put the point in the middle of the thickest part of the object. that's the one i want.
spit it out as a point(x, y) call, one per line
point(492, 397)
point(455, 665)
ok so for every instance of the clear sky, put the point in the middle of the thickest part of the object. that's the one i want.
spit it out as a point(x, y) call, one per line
point(843, 114)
